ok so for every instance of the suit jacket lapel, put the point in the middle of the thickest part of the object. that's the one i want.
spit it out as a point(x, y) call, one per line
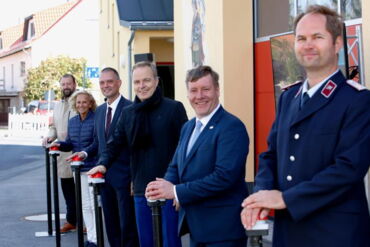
point(320, 98)
point(184, 145)
point(207, 131)
point(115, 117)
point(101, 122)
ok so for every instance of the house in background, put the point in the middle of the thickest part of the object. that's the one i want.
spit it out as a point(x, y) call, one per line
point(70, 29)
point(131, 27)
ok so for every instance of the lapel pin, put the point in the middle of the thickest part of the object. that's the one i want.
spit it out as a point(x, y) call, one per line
point(211, 127)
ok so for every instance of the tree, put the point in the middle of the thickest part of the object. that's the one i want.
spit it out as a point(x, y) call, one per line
point(49, 72)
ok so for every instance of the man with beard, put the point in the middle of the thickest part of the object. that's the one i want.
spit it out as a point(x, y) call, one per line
point(58, 130)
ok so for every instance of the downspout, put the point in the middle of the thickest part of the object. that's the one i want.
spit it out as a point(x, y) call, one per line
point(129, 57)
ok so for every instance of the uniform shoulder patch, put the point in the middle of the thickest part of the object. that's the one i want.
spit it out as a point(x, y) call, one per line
point(290, 85)
point(356, 85)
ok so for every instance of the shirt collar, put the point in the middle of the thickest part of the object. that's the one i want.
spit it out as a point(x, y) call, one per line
point(114, 103)
point(205, 120)
point(314, 89)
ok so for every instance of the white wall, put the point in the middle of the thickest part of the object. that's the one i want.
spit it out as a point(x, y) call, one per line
point(75, 35)
point(14, 82)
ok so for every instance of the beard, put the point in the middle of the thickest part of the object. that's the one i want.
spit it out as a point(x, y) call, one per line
point(67, 92)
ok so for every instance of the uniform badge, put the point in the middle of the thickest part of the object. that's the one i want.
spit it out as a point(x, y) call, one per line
point(328, 89)
point(356, 85)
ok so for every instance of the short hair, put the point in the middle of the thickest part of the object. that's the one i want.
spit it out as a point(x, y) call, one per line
point(72, 100)
point(202, 71)
point(334, 22)
point(110, 69)
point(149, 64)
point(68, 76)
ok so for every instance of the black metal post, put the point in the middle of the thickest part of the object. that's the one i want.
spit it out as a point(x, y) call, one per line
point(98, 212)
point(80, 236)
point(255, 234)
point(56, 199)
point(255, 241)
point(48, 192)
point(157, 221)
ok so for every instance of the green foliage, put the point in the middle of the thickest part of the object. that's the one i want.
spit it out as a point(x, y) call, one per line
point(47, 75)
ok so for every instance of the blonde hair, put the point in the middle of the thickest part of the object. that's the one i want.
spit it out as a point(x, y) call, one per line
point(72, 100)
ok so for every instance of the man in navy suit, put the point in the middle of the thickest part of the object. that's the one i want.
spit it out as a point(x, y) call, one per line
point(116, 194)
point(206, 175)
point(318, 148)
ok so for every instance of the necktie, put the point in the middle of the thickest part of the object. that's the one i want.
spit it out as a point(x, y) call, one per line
point(304, 99)
point(108, 121)
point(194, 136)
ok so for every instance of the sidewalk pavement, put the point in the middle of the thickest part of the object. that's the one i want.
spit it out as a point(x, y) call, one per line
point(23, 194)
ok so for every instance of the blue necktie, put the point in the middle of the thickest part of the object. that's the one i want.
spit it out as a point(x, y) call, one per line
point(304, 99)
point(194, 136)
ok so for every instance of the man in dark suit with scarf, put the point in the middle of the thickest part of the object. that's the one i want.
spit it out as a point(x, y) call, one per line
point(116, 194)
point(150, 127)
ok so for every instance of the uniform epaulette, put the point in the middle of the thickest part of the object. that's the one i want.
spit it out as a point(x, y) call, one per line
point(290, 85)
point(356, 85)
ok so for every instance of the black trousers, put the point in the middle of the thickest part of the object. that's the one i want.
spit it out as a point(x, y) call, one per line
point(68, 189)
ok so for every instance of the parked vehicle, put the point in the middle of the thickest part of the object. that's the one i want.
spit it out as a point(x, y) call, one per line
point(41, 107)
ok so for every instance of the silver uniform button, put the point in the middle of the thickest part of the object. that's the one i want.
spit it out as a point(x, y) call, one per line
point(289, 178)
point(292, 158)
point(296, 136)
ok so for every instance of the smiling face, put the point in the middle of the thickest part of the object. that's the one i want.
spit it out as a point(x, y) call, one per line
point(109, 85)
point(83, 104)
point(203, 95)
point(68, 86)
point(314, 46)
point(144, 82)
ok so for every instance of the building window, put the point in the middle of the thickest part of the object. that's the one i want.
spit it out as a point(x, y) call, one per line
point(351, 9)
point(272, 17)
point(23, 68)
point(112, 16)
point(281, 19)
point(31, 30)
point(1, 43)
point(108, 14)
point(12, 75)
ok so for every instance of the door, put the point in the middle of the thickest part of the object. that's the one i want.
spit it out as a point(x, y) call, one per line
point(4, 105)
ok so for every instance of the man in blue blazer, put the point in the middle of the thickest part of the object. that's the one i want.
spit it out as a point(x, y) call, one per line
point(116, 194)
point(318, 148)
point(206, 175)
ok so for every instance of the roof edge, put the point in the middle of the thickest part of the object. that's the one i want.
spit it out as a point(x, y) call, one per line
point(148, 25)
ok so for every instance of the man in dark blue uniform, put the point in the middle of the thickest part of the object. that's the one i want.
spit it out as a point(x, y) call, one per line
point(318, 148)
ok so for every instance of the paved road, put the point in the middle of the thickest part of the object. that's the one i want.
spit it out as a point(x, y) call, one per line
point(22, 183)
point(22, 193)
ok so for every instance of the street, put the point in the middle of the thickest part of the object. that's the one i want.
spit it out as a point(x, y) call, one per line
point(23, 194)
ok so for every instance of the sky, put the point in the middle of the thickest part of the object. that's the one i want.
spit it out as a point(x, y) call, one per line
point(13, 12)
